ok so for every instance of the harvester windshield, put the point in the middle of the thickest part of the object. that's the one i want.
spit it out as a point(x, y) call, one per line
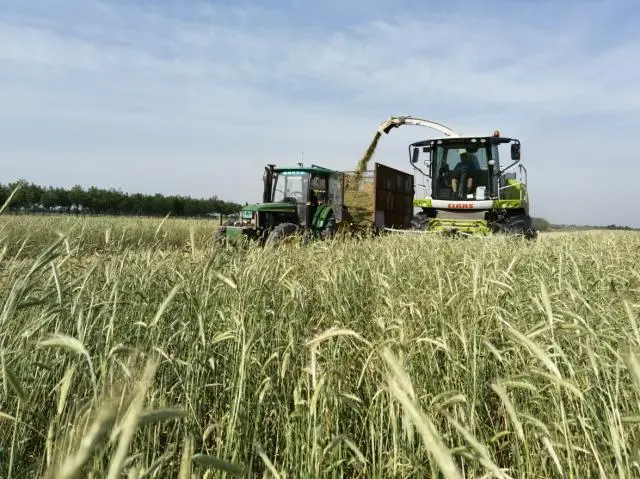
point(461, 170)
point(458, 169)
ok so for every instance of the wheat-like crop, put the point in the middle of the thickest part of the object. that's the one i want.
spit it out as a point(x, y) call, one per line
point(148, 352)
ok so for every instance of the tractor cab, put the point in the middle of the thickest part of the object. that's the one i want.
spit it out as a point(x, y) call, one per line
point(305, 190)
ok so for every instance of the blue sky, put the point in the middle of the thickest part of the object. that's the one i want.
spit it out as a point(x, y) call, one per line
point(193, 98)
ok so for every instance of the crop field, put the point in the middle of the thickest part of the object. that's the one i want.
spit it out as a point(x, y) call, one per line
point(134, 348)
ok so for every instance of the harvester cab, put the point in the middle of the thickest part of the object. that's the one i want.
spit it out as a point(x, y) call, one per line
point(464, 187)
point(295, 199)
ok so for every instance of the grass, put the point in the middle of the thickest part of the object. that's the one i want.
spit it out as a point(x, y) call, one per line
point(29, 235)
point(145, 352)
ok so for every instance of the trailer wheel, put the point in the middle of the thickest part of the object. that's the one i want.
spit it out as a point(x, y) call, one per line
point(329, 229)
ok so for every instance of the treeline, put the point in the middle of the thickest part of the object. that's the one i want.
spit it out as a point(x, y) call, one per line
point(597, 227)
point(541, 224)
point(34, 198)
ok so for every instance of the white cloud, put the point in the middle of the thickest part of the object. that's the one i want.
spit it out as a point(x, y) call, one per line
point(212, 93)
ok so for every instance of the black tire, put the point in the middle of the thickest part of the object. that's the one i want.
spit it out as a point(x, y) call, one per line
point(346, 214)
point(281, 231)
point(519, 225)
point(420, 221)
point(219, 236)
point(329, 229)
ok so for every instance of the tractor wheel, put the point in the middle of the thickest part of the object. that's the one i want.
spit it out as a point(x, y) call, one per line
point(281, 231)
point(420, 221)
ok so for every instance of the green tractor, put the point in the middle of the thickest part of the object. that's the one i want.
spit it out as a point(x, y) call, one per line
point(295, 200)
point(466, 190)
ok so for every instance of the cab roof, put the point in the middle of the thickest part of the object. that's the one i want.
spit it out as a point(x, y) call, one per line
point(303, 169)
point(466, 139)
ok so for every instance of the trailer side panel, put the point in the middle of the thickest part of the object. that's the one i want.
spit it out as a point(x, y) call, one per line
point(394, 191)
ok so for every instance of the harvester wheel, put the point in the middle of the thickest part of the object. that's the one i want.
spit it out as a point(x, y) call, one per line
point(281, 231)
point(419, 221)
point(520, 225)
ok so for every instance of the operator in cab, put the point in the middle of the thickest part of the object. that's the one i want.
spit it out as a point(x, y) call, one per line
point(468, 165)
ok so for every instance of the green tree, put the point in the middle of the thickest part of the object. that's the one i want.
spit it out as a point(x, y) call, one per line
point(112, 201)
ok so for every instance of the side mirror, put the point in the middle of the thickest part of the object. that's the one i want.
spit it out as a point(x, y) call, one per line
point(515, 151)
point(414, 155)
